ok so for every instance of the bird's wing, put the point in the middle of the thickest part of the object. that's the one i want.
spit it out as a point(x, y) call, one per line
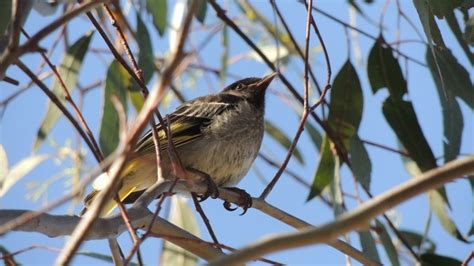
point(187, 122)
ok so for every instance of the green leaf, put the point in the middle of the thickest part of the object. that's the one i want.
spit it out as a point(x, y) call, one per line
point(429, 259)
point(456, 77)
point(360, 161)
point(116, 83)
point(384, 70)
point(201, 11)
point(68, 70)
point(182, 216)
point(346, 103)
point(18, 171)
point(325, 172)
point(439, 206)
point(5, 15)
point(471, 182)
point(417, 241)
point(158, 10)
point(387, 244)
point(367, 243)
point(429, 24)
point(456, 29)
point(145, 55)
point(469, 30)
point(453, 123)
point(225, 53)
point(281, 138)
point(402, 119)
point(314, 134)
point(335, 192)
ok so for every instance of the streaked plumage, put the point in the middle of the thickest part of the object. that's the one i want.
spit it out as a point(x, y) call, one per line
point(219, 135)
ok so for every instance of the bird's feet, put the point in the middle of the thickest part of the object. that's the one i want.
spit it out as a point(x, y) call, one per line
point(212, 189)
point(245, 200)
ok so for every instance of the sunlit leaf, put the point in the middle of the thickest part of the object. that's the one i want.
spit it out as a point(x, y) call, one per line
point(452, 116)
point(3, 163)
point(325, 172)
point(337, 199)
point(360, 161)
point(182, 216)
point(439, 206)
point(176, 22)
point(18, 171)
point(201, 10)
point(116, 83)
point(387, 244)
point(428, 22)
point(430, 259)
point(281, 138)
point(68, 70)
point(225, 53)
point(346, 104)
point(158, 10)
point(274, 53)
point(367, 243)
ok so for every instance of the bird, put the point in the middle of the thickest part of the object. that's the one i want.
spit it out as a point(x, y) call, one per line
point(217, 135)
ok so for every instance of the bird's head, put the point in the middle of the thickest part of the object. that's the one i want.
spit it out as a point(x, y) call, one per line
point(251, 89)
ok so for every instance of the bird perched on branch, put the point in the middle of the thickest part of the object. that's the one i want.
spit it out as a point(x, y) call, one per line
point(217, 136)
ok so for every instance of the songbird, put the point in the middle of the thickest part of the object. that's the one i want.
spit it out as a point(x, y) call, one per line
point(216, 135)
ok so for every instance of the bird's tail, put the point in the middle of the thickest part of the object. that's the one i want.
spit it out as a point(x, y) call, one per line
point(111, 204)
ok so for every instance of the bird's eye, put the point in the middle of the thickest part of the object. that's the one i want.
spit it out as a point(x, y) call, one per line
point(240, 87)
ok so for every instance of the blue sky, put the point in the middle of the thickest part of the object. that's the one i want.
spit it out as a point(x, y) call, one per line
point(23, 116)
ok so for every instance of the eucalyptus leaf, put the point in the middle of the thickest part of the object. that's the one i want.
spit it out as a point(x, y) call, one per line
point(360, 161)
point(326, 169)
point(68, 70)
point(278, 135)
point(387, 244)
point(346, 104)
point(314, 134)
point(417, 241)
point(116, 83)
point(367, 243)
point(429, 259)
point(201, 10)
point(5, 15)
point(182, 216)
point(428, 22)
point(159, 11)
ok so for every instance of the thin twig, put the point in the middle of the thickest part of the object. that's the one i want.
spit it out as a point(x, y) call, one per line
point(206, 221)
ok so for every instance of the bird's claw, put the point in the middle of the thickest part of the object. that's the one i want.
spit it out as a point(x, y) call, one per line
point(245, 200)
point(212, 189)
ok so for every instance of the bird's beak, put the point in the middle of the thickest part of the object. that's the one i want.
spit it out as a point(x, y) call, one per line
point(265, 81)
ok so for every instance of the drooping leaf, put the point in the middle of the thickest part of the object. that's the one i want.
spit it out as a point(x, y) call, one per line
point(346, 104)
point(281, 138)
point(471, 182)
point(430, 259)
point(314, 134)
point(445, 10)
point(439, 206)
point(3, 163)
point(384, 70)
point(68, 70)
point(469, 30)
point(452, 117)
point(18, 171)
point(182, 216)
point(387, 244)
point(337, 199)
point(428, 22)
point(201, 11)
point(402, 119)
point(158, 10)
point(116, 83)
point(360, 161)
point(225, 53)
point(325, 172)
point(417, 241)
point(455, 76)
point(5, 15)
point(367, 243)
